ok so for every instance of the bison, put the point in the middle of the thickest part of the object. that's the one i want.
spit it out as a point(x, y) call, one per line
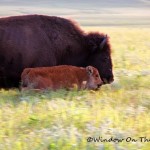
point(63, 76)
point(40, 41)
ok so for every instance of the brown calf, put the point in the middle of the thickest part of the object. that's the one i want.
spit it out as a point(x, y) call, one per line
point(61, 77)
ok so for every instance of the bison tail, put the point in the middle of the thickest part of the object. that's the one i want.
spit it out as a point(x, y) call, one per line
point(25, 73)
point(25, 77)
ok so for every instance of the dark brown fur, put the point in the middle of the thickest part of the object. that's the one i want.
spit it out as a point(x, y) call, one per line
point(61, 77)
point(40, 41)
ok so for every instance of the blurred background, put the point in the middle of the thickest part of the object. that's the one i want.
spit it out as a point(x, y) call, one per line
point(86, 12)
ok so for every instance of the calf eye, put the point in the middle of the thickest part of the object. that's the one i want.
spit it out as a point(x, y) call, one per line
point(96, 75)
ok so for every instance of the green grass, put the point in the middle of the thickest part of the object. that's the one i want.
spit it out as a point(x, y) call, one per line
point(63, 120)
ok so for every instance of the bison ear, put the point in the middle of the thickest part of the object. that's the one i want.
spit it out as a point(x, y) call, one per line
point(89, 70)
point(101, 46)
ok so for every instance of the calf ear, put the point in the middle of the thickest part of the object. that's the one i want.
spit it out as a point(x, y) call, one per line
point(103, 42)
point(89, 70)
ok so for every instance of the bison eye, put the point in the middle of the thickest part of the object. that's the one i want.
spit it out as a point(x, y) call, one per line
point(105, 59)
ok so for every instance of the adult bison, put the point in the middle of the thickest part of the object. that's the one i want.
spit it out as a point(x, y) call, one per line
point(37, 40)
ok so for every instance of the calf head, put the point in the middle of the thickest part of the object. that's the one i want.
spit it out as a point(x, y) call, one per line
point(94, 80)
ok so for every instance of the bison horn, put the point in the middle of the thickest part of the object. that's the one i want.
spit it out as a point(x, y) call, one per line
point(103, 42)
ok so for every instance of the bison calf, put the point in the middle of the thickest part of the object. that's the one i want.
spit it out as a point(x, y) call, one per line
point(61, 77)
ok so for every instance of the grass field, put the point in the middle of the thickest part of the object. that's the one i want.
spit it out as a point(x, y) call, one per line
point(64, 120)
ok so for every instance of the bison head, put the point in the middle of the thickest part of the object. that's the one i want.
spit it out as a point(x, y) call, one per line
point(100, 55)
